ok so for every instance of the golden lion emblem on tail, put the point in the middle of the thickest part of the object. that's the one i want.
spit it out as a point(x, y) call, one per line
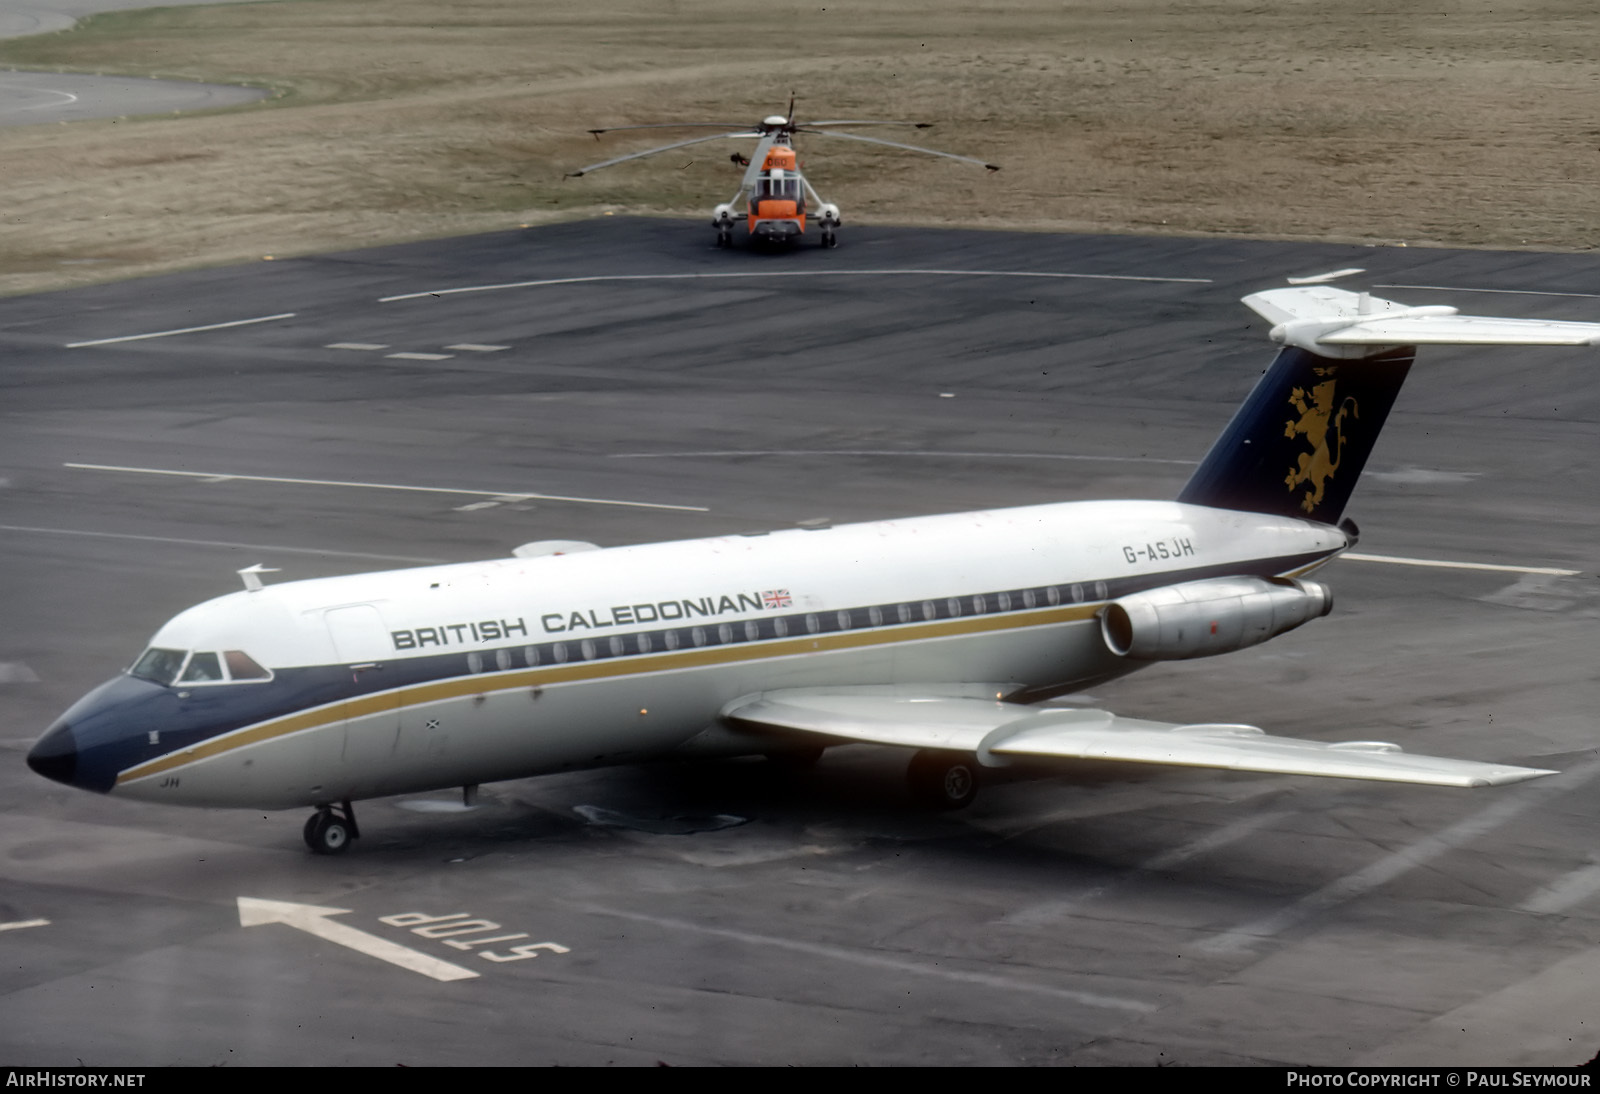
point(1322, 426)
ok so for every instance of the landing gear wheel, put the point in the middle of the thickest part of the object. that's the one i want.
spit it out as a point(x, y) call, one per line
point(329, 831)
point(943, 780)
point(724, 240)
point(829, 239)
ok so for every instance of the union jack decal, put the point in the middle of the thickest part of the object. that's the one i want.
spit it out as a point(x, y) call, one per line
point(777, 598)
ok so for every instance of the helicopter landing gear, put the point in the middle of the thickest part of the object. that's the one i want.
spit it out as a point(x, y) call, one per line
point(942, 780)
point(330, 829)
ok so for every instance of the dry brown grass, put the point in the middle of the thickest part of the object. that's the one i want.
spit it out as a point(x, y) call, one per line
point(1473, 123)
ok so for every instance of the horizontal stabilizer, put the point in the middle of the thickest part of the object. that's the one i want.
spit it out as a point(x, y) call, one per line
point(995, 731)
point(1338, 323)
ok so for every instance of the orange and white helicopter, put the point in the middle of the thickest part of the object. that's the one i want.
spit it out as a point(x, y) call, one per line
point(774, 199)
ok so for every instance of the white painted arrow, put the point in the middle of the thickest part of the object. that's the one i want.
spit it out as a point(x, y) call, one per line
point(313, 920)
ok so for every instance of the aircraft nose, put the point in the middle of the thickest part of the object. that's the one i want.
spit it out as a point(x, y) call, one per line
point(55, 755)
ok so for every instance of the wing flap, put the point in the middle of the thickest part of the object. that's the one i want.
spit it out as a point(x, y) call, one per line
point(971, 719)
point(1246, 748)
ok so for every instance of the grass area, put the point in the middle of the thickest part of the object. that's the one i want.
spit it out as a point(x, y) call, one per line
point(1470, 123)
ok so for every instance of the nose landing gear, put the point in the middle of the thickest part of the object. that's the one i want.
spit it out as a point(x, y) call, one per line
point(330, 829)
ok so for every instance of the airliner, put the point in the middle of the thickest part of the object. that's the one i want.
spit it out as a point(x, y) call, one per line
point(940, 635)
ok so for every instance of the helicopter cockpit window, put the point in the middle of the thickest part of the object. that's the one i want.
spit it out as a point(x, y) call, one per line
point(158, 666)
point(204, 668)
point(784, 188)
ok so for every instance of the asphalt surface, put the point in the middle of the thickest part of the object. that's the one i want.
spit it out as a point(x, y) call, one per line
point(732, 914)
point(38, 98)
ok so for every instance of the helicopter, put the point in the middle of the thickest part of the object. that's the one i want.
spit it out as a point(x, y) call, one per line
point(774, 199)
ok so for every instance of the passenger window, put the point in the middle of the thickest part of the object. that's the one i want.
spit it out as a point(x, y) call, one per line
point(204, 668)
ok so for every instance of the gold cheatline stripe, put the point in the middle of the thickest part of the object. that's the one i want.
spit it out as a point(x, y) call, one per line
point(633, 665)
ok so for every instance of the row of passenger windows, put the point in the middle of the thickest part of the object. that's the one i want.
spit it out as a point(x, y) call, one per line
point(165, 667)
point(754, 630)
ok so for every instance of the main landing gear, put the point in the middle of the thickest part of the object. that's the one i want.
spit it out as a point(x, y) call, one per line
point(943, 780)
point(331, 828)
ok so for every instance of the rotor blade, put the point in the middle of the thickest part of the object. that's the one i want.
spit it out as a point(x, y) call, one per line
point(907, 147)
point(650, 152)
point(857, 121)
point(671, 125)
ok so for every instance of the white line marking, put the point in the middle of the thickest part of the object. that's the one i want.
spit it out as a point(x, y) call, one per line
point(181, 330)
point(357, 345)
point(858, 957)
point(1401, 862)
point(68, 97)
point(922, 453)
point(1564, 892)
point(1229, 833)
point(420, 356)
point(1395, 560)
point(22, 924)
point(313, 920)
point(263, 547)
point(789, 273)
point(383, 486)
point(1506, 292)
point(473, 347)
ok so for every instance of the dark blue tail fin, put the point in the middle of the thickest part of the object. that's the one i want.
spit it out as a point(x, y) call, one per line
point(1298, 444)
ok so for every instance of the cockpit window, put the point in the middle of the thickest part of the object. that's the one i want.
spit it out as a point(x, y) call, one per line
point(203, 668)
point(158, 666)
point(241, 666)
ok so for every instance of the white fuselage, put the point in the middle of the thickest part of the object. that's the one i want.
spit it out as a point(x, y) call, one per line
point(460, 674)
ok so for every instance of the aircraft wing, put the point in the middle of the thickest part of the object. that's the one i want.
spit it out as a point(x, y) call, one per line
point(995, 731)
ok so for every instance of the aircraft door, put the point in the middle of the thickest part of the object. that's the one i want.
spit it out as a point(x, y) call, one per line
point(370, 729)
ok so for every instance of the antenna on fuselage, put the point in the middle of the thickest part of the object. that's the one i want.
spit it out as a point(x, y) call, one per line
point(251, 578)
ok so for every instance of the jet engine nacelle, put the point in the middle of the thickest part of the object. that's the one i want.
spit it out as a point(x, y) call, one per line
point(1203, 618)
